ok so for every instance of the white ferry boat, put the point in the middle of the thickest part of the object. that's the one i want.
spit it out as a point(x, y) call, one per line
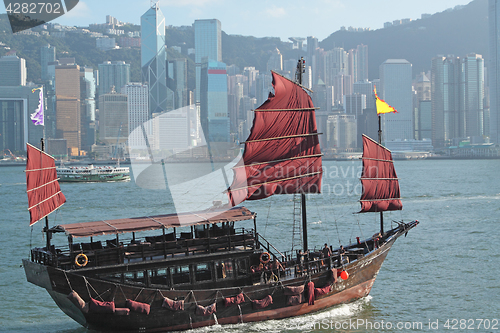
point(92, 173)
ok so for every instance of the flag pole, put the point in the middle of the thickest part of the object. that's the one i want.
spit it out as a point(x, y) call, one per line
point(380, 142)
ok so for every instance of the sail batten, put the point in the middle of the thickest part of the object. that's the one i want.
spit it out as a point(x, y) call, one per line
point(42, 187)
point(283, 137)
point(379, 180)
point(282, 154)
point(277, 161)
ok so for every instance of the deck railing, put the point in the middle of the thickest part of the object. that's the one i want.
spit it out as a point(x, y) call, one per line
point(141, 250)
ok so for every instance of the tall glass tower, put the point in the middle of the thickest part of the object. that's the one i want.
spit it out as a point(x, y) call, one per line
point(47, 54)
point(494, 68)
point(396, 89)
point(154, 58)
point(208, 46)
point(214, 109)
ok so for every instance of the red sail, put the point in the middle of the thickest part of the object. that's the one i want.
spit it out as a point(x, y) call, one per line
point(379, 179)
point(282, 154)
point(44, 193)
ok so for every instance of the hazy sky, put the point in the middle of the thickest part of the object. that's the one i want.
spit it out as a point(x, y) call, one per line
point(261, 18)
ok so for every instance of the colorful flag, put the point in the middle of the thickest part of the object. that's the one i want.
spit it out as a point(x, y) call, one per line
point(382, 106)
point(37, 116)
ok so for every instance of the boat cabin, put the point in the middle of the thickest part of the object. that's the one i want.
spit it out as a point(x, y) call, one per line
point(210, 252)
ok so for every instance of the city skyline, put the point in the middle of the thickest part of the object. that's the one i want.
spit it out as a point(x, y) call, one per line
point(333, 71)
point(261, 19)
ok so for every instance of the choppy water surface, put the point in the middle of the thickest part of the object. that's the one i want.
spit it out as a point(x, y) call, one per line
point(445, 270)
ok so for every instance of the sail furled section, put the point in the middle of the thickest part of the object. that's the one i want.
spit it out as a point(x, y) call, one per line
point(379, 179)
point(42, 187)
point(282, 154)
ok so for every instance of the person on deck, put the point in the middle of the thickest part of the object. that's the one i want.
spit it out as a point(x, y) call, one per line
point(342, 254)
point(327, 252)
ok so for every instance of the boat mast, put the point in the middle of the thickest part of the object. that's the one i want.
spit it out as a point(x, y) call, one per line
point(42, 145)
point(298, 78)
point(380, 142)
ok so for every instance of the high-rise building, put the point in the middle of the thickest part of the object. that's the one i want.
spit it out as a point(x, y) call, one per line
point(365, 88)
point(213, 103)
point(208, 45)
point(177, 81)
point(341, 131)
point(47, 55)
point(113, 118)
point(137, 110)
point(68, 117)
point(457, 96)
point(447, 122)
point(275, 61)
point(494, 68)
point(396, 89)
point(424, 120)
point(87, 107)
point(16, 127)
point(472, 85)
point(312, 56)
point(12, 71)
point(354, 104)
point(362, 63)
point(154, 58)
point(113, 74)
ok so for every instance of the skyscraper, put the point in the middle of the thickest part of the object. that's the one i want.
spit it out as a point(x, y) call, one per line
point(87, 107)
point(213, 103)
point(396, 89)
point(362, 62)
point(154, 58)
point(137, 110)
point(275, 61)
point(457, 95)
point(494, 68)
point(472, 85)
point(177, 75)
point(113, 119)
point(208, 46)
point(113, 74)
point(312, 56)
point(68, 118)
point(47, 55)
point(12, 71)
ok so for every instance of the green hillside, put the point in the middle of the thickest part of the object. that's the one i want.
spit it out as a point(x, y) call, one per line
point(457, 32)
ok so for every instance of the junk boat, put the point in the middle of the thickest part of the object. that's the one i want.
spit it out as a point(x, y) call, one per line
point(93, 173)
point(215, 270)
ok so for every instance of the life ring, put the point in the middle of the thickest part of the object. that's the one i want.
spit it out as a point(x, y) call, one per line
point(265, 257)
point(81, 260)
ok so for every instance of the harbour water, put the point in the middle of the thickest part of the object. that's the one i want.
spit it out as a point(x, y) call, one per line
point(445, 272)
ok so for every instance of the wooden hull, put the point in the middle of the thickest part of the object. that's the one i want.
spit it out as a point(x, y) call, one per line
point(59, 284)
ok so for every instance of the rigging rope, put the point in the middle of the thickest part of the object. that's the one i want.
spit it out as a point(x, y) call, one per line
point(67, 280)
point(267, 220)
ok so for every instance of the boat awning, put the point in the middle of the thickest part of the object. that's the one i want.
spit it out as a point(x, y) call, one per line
point(136, 224)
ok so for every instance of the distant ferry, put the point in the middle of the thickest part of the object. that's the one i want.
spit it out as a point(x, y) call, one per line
point(93, 173)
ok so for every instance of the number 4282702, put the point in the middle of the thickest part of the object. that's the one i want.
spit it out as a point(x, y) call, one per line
point(34, 8)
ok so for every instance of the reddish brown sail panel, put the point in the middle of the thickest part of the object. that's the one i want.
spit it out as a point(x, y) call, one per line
point(379, 179)
point(44, 193)
point(282, 154)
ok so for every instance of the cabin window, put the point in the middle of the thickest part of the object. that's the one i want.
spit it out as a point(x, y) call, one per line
point(242, 266)
point(224, 269)
point(180, 274)
point(203, 272)
point(160, 276)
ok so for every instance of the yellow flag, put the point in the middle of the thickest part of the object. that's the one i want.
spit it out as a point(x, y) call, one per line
point(382, 106)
